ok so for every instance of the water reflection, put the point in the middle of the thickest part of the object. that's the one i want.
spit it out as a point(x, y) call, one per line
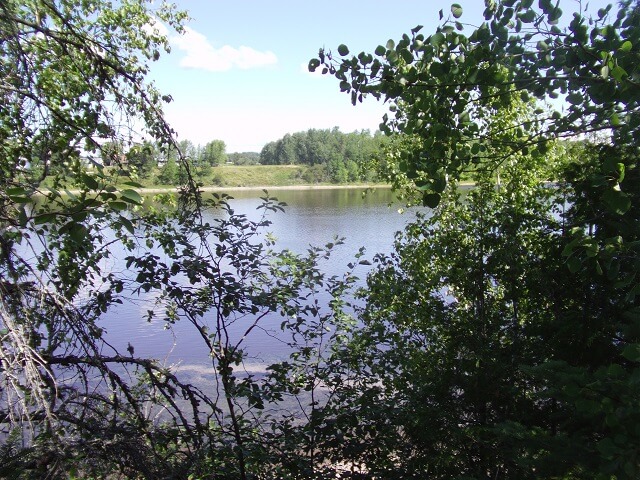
point(312, 217)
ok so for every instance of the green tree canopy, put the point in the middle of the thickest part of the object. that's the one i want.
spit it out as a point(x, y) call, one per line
point(244, 158)
point(442, 86)
point(333, 156)
point(73, 87)
point(501, 339)
point(143, 157)
point(213, 153)
point(74, 245)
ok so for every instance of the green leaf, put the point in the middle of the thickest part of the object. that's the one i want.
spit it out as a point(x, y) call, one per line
point(437, 39)
point(542, 46)
point(528, 16)
point(575, 98)
point(314, 63)
point(126, 223)
point(456, 10)
point(343, 50)
point(574, 264)
point(439, 184)
point(131, 196)
point(19, 199)
point(436, 69)
point(447, 29)
point(118, 206)
point(91, 182)
point(431, 200)
point(626, 46)
point(76, 231)
point(44, 218)
point(18, 195)
point(615, 120)
point(632, 352)
point(612, 166)
point(619, 73)
point(555, 15)
point(464, 118)
point(16, 191)
point(617, 201)
point(23, 219)
point(407, 56)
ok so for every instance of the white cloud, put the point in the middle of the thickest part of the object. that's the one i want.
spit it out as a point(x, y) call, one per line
point(200, 54)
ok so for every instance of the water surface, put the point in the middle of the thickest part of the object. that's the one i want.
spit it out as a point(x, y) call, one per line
point(312, 217)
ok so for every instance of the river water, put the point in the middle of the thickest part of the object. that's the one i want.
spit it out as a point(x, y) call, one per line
point(312, 217)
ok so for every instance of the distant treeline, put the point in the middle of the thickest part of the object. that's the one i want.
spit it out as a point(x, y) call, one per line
point(161, 167)
point(325, 156)
point(332, 156)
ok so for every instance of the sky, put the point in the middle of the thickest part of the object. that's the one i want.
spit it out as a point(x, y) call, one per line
point(239, 72)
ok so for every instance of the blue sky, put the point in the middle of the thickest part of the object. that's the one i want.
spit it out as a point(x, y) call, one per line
point(239, 72)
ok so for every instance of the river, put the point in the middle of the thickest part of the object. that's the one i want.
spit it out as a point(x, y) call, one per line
point(312, 217)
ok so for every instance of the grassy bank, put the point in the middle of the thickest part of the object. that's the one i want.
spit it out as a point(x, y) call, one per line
point(228, 177)
point(234, 176)
point(257, 175)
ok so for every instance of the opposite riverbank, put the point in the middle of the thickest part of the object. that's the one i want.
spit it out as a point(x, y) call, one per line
point(214, 188)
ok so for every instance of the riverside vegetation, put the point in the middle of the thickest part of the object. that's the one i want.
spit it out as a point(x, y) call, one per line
point(501, 339)
point(310, 158)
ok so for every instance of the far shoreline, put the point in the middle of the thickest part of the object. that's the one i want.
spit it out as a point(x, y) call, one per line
point(213, 188)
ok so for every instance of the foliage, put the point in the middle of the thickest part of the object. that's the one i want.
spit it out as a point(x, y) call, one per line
point(224, 280)
point(479, 355)
point(213, 153)
point(442, 87)
point(500, 340)
point(332, 155)
point(142, 158)
point(73, 76)
point(502, 343)
point(450, 321)
point(169, 173)
point(244, 158)
point(72, 404)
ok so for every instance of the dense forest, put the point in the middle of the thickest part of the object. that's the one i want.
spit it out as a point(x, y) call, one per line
point(333, 156)
point(499, 340)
